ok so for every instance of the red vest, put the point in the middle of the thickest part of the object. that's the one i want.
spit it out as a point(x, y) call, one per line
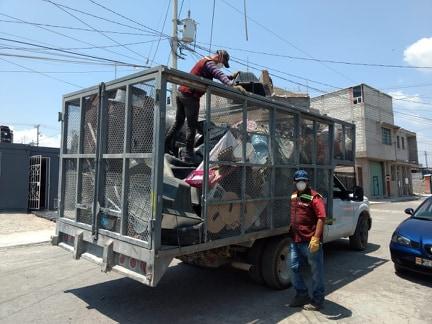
point(303, 215)
point(197, 70)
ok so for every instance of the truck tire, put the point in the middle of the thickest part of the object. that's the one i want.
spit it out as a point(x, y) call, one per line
point(254, 257)
point(275, 263)
point(359, 240)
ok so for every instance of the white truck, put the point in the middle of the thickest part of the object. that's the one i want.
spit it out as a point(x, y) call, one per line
point(126, 206)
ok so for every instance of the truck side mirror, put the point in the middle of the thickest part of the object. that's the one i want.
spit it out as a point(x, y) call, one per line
point(358, 193)
point(409, 211)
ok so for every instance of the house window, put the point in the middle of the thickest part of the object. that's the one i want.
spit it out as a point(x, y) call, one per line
point(386, 136)
point(398, 142)
point(357, 94)
point(403, 143)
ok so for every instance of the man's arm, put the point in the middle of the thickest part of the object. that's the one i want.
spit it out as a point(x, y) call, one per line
point(217, 73)
point(319, 228)
point(319, 209)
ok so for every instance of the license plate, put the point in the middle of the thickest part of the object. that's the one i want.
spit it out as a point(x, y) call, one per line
point(423, 262)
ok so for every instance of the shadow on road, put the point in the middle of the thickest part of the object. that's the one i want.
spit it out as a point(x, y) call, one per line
point(191, 294)
point(418, 278)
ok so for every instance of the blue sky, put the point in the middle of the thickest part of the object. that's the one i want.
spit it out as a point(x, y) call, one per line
point(384, 32)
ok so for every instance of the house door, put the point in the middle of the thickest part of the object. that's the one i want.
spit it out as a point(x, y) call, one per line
point(375, 186)
point(35, 178)
point(376, 173)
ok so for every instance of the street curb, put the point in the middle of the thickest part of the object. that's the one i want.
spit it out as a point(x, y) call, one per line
point(396, 200)
point(25, 245)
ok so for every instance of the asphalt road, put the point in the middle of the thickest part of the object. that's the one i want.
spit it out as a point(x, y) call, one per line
point(42, 284)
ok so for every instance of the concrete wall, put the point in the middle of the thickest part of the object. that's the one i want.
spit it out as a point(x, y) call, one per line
point(370, 114)
point(340, 105)
point(14, 175)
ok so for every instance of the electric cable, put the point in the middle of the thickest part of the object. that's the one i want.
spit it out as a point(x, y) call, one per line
point(71, 52)
point(162, 29)
point(90, 26)
point(285, 40)
point(324, 60)
point(74, 28)
point(70, 37)
point(46, 75)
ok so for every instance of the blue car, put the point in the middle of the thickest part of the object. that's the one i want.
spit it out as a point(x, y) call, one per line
point(411, 242)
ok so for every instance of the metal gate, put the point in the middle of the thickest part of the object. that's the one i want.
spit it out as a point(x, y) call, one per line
point(107, 158)
point(35, 178)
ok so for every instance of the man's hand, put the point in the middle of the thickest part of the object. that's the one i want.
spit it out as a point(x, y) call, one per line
point(314, 244)
point(240, 88)
point(234, 75)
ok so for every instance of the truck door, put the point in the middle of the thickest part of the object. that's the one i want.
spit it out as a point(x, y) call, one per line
point(343, 213)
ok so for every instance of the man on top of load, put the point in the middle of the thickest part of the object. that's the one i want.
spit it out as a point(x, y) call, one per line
point(187, 100)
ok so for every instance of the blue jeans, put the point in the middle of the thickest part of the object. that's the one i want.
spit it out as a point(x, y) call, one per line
point(299, 254)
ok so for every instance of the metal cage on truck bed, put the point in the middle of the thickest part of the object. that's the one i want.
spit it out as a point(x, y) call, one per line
point(114, 173)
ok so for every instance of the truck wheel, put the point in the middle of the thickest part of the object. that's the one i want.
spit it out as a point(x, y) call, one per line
point(275, 263)
point(359, 240)
point(254, 257)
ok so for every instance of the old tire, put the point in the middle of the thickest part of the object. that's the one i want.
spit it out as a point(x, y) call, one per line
point(275, 263)
point(254, 257)
point(359, 240)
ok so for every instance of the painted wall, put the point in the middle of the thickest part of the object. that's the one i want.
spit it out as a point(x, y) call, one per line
point(14, 175)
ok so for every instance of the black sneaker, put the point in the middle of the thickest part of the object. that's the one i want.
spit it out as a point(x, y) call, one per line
point(299, 301)
point(313, 306)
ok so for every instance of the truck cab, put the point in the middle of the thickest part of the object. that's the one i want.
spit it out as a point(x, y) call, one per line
point(350, 214)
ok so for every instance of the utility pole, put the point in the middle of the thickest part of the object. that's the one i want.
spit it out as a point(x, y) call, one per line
point(426, 159)
point(174, 45)
point(174, 40)
point(37, 134)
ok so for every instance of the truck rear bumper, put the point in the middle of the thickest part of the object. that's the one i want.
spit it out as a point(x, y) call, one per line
point(133, 261)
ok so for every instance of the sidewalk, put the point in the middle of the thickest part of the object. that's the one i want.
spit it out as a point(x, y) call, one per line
point(398, 199)
point(24, 229)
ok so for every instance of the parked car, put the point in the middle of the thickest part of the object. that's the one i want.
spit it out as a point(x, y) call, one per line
point(411, 242)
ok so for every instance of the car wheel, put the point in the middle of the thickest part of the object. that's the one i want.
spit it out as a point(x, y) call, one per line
point(275, 263)
point(359, 240)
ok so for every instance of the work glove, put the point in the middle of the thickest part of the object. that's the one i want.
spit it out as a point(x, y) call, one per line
point(314, 244)
point(240, 88)
point(234, 75)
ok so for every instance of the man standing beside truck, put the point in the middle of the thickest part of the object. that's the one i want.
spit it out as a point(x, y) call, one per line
point(187, 100)
point(307, 224)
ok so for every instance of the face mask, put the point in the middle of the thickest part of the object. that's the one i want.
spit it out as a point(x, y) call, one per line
point(301, 185)
point(219, 65)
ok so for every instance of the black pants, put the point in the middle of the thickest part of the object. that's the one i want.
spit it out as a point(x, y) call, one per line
point(187, 108)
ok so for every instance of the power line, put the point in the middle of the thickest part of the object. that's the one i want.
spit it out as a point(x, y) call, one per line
point(46, 75)
point(409, 86)
point(70, 37)
point(90, 26)
point(162, 29)
point(211, 28)
point(326, 60)
point(285, 40)
point(75, 28)
point(301, 84)
point(44, 58)
point(122, 16)
point(71, 52)
point(86, 48)
point(62, 72)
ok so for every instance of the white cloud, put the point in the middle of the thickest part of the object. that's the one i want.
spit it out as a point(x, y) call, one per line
point(28, 136)
point(406, 101)
point(419, 53)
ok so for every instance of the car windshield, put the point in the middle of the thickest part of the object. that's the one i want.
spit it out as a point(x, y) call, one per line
point(424, 211)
